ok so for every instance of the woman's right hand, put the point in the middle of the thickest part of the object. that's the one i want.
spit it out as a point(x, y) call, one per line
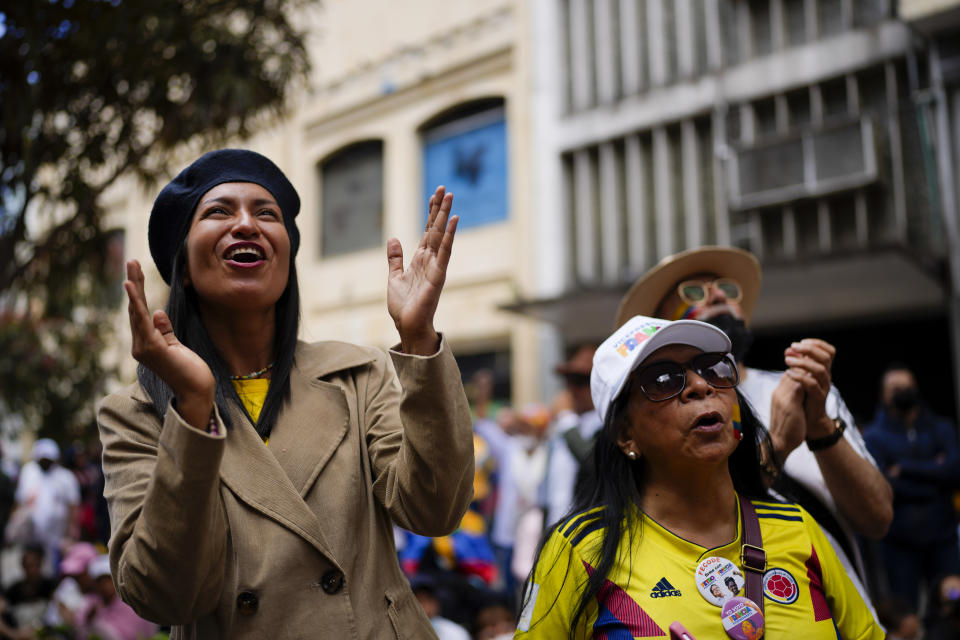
point(155, 346)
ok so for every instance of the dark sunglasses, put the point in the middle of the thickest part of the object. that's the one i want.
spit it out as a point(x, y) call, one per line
point(696, 292)
point(665, 379)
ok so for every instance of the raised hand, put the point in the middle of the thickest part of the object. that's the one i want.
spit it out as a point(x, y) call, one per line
point(788, 423)
point(413, 293)
point(156, 347)
point(809, 363)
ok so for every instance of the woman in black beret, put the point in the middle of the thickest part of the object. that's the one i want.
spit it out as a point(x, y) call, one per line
point(253, 479)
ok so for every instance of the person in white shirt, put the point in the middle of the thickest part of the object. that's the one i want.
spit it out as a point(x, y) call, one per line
point(51, 494)
point(822, 464)
point(574, 425)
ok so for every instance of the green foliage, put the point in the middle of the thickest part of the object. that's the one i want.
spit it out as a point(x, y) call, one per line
point(91, 90)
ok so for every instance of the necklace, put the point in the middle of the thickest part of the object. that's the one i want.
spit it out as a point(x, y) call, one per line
point(255, 374)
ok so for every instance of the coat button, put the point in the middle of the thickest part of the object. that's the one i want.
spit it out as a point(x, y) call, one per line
point(247, 603)
point(331, 582)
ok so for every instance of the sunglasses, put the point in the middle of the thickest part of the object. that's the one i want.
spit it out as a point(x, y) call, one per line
point(696, 292)
point(663, 380)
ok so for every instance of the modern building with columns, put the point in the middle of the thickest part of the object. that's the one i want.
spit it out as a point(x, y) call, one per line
point(815, 133)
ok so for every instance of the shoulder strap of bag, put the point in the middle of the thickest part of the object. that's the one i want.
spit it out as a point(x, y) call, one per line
point(752, 556)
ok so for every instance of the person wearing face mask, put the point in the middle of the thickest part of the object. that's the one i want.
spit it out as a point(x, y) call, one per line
point(917, 452)
point(817, 458)
point(48, 494)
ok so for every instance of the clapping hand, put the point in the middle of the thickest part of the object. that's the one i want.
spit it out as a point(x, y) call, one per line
point(788, 423)
point(413, 293)
point(809, 363)
point(155, 346)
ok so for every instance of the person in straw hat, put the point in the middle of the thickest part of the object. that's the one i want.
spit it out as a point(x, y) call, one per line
point(818, 457)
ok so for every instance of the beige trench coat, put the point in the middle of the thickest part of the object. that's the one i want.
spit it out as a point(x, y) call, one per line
point(225, 537)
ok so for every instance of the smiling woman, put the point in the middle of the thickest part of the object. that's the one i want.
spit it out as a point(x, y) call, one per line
point(237, 248)
point(673, 519)
point(253, 479)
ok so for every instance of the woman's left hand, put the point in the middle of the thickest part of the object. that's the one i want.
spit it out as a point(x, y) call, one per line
point(413, 293)
point(809, 363)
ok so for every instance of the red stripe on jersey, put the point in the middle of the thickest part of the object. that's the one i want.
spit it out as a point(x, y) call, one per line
point(625, 609)
point(821, 610)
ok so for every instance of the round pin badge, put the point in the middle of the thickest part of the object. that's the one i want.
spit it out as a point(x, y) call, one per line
point(742, 619)
point(780, 586)
point(718, 580)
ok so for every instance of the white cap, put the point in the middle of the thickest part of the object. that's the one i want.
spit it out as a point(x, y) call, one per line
point(640, 336)
point(99, 566)
point(46, 449)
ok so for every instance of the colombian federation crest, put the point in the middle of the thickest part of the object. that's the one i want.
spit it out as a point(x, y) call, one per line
point(780, 586)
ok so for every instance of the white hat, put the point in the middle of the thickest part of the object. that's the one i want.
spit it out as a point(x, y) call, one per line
point(46, 449)
point(640, 336)
point(99, 566)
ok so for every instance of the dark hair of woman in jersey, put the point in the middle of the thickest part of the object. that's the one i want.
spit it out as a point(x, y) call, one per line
point(614, 482)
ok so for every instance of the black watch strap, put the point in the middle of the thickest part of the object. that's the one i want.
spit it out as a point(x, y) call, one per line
point(818, 444)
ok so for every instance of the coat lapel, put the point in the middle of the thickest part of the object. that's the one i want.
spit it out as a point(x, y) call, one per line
point(253, 474)
point(274, 480)
point(311, 429)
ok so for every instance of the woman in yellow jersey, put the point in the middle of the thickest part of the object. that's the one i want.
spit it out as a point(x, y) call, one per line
point(657, 531)
point(252, 479)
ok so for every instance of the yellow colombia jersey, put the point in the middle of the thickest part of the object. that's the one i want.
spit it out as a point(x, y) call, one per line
point(807, 594)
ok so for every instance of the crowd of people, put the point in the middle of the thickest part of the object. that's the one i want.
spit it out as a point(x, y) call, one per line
point(258, 486)
point(57, 581)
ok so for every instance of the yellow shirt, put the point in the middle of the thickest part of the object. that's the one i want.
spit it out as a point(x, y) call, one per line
point(807, 594)
point(253, 393)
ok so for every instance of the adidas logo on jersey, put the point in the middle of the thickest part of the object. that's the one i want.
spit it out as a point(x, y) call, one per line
point(664, 589)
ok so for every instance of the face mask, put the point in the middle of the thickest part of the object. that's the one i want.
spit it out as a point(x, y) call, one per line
point(740, 336)
point(905, 399)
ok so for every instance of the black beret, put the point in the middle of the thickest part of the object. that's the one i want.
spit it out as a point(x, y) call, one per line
point(174, 207)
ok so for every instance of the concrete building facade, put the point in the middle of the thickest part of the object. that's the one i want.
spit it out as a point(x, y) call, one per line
point(807, 131)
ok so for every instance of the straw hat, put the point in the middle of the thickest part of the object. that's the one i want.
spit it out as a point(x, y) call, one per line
point(645, 295)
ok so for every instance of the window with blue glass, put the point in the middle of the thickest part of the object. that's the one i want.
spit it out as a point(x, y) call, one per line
point(466, 151)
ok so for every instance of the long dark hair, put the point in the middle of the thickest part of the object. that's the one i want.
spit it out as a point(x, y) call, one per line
point(184, 311)
point(611, 484)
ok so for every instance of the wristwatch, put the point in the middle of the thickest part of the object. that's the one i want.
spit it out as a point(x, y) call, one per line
point(818, 444)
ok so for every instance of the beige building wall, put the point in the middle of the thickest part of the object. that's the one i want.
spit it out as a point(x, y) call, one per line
point(381, 70)
point(911, 10)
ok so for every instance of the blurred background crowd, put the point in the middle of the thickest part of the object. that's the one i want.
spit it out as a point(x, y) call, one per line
point(54, 571)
